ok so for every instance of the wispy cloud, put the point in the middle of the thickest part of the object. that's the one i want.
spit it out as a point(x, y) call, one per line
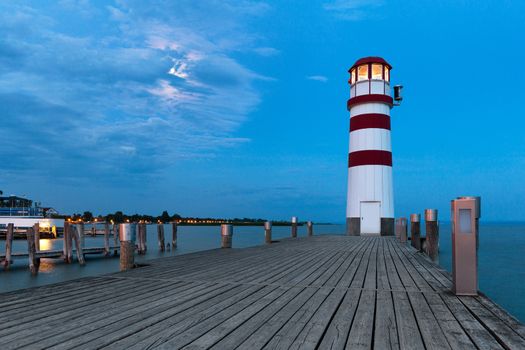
point(150, 83)
point(320, 78)
point(353, 10)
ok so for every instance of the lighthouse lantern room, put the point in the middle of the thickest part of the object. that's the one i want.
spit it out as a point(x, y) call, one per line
point(370, 200)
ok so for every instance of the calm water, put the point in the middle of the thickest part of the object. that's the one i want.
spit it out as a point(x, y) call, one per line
point(501, 257)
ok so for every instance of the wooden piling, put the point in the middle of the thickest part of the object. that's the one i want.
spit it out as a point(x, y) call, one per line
point(226, 235)
point(31, 250)
point(174, 235)
point(268, 232)
point(160, 235)
point(432, 233)
point(106, 239)
point(75, 233)
point(141, 238)
point(115, 239)
point(309, 228)
point(36, 229)
point(81, 233)
point(127, 246)
point(415, 231)
point(67, 248)
point(401, 230)
point(294, 226)
point(8, 245)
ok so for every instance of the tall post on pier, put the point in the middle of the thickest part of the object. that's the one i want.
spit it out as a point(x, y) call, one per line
point(36, 228)
point(75, 233)
point(31, 250)
point(140, 228)
point(309, 228)
point(80, 230)
point(401, 230)
point(127, 235)
point(294, 226)
point(8, 245)
point(174, 228)
point(106, 238)
point(466, 212)
point(115, 238)
point(268, 232)
point(432, 233)
point(67, 245)
point(415, 231)
point(160, 234)
point(226, 235)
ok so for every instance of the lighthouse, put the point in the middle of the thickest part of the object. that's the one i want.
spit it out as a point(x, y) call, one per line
point(370, 200)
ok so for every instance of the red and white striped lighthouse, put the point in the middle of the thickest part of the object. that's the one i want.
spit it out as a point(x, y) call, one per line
point(370, 201)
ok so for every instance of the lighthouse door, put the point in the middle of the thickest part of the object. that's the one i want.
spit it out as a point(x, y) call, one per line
point(370, 218)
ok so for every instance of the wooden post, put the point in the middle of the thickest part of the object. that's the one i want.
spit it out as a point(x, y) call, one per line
point(81, 233)
point(401, 230)
point(226, 235)
point(64, 241)
point(415, 231)
point(78, 242)
point(174, 235)
point(141, 238)
point(310, 228)
point(31, 250)
point(106, 239)
point(127, 246)
point(8, 245)
point(294, 226)
point(432, 233)
point(36, 229)
point(160, 235)
point(268, 232)
point(115, 239)
point(66, 249)
point(94, 229)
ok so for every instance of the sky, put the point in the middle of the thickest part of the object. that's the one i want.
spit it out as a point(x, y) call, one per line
point(238, 108)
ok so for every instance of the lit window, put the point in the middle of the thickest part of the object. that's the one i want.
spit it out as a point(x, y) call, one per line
point(377, 71)
point(362, 72)
point(352, 81)
point(387, 74)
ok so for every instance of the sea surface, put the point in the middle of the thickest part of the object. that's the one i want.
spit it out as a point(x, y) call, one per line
point(501, 257)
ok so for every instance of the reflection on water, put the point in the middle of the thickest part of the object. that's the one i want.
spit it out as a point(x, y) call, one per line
point(501, 262)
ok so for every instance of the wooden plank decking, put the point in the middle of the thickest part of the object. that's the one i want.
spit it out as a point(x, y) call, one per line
point(326, 292)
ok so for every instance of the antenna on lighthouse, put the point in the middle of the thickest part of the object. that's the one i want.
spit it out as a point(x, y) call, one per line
point(397, 94)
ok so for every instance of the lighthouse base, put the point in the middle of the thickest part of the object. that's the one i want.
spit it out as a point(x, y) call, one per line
point(353, 226)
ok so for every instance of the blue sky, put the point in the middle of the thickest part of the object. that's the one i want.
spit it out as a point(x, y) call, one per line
point(238, 108)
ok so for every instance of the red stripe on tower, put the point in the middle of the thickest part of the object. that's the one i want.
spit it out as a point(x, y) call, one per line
point(370, 121)
point(368, 99)
point(369, 157)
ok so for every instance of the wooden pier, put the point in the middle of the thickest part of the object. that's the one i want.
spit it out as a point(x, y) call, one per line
point(321, 292)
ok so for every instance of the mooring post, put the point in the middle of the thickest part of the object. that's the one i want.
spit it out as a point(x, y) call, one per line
point(64, 242)
point(268, 232)
point(75, 232)
point(115, 238)
point(294, 226)
point(309, 228)
point(160, 235)
point(31, 250)
point(432, 233)
point(226, 235)
point(139, 238)
point(80, 231)
point(466, 212)
point(415, 231)
point(36, 228)
point(402, 227)
point(8, 245)
point(67, 249)
point(127, 234)
point(106, 238)
point(174, 234)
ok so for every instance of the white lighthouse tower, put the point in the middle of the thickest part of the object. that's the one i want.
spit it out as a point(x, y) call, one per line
point(370, 201)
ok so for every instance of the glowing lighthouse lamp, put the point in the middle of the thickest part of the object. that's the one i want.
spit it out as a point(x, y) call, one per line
point(370, 201)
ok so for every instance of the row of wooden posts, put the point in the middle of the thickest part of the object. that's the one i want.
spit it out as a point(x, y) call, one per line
point(128, 238)
point(429, 244)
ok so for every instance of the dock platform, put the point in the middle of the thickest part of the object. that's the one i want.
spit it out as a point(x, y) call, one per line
point(321, 292)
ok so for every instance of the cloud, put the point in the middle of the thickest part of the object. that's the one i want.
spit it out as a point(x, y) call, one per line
point(134, 86)
point(353, 10)
point(320, 78)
